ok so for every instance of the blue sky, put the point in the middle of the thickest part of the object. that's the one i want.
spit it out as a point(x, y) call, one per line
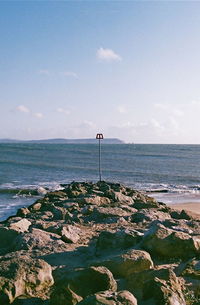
point(128, 69)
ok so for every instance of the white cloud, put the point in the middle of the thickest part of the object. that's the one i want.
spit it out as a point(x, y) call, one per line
point(151, 131)
point(87, 124)
point(23, 108)
point(169, 109)
point(155, 124)
point(44, 72)
point(108, 55)
point(38, 115)
point(62, 110)
point(121, 109)
point(70, 74)
point(178, 112)
point(195, 102)
point(161, 106)
point(85, 129)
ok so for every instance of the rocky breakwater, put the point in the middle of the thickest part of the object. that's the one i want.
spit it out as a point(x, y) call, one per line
point(103, 243)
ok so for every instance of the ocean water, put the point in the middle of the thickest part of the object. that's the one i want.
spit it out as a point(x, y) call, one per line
point(170, 172)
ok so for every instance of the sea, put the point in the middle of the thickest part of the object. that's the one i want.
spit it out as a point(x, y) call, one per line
point(170, 173)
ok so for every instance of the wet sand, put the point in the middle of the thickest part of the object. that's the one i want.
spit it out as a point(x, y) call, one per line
point(189, 206)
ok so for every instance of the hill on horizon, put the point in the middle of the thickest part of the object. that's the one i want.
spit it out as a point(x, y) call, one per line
point(65, 141)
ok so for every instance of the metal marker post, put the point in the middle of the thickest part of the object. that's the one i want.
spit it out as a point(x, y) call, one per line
point(99, 136)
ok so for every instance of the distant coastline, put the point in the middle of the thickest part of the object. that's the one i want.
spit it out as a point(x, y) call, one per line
point(64, 141)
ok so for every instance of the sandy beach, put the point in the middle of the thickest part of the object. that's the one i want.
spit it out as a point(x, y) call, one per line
point(189, 206)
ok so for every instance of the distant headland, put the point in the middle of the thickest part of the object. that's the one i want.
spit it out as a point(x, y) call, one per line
point(65, 141)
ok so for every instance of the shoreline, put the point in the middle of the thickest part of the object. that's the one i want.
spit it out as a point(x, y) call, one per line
point(188, 206)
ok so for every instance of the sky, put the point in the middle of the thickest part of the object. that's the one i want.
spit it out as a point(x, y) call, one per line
point(127, 69)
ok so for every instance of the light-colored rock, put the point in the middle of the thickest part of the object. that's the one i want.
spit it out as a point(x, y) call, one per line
point(94, 200)
point(21, 225)
point(149, 215)
point(70, 234)
point(101, 213)
point(36, 206)
point(165, 242)
point(133, 261)
point(23, 276)
point(118, 196)
point(23, 212)
point(39, 240)
point(41, 190)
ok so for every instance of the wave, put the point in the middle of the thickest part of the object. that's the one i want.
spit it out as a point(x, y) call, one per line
point(29, 192)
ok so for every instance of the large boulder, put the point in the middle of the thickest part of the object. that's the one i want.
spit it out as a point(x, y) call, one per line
point(108, 214)
point(23, 276)
point(7, 237)
point(21, 225)
point(39, 240)
point(161, 286)
point(165, 242)
point(94, 200)
point(149, 215)
point(81, 283)
point(118, 240)
point(118, 196)
point(109, 298)
point(144, 202)
point(133, 261)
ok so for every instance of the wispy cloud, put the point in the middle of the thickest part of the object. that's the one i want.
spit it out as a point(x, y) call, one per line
point(121, 109)
point(195, 102)
point(107, 55)
point(169, 109)
point(26, 110)
point(62, 110)
point(38, 115)
point(87, 124)
point(150, 131)
point(177, 112)
point(161, 106)
point(70, 74)
point(23, 108)
point(44, 72)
